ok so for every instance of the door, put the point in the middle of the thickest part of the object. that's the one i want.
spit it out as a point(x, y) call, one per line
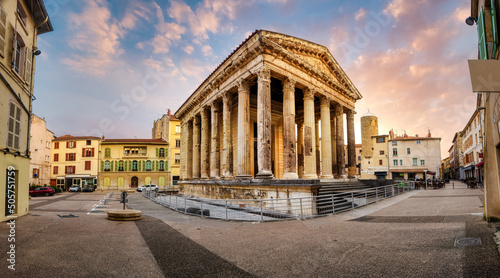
point(134, 182)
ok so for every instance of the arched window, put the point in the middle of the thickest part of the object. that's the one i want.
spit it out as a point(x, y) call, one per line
point(161, 166)
point(148, 165)
point(107, 165)
point(161, 152)
point(134, 165)
point(120, 165)
point(107, 152)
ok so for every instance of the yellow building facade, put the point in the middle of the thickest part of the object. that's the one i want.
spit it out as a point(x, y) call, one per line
point(20, 24)
point(168, 127)
point(129, 163)
point(74, 161)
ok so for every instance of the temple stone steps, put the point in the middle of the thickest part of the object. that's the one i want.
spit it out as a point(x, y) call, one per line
point(338, 187)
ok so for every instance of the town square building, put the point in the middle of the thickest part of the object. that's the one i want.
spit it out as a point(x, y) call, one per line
point(256, 121)
point(168, 127)
point(40, 151)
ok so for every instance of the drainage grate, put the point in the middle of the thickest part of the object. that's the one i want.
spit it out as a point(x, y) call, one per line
point(67, 215)
point(468, 241)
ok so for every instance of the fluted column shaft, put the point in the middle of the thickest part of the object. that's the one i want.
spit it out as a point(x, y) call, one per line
point(339, 114)
point(300, 150)
point(290, 155)
point(227, 149)
point(196, 147)
point(189, 150)
point(243, 171)
point(318, 144)
point(333, 137)
point(205, 155)
point(351, 144)
point(264, 124)
point(214, 150)
point(309, 136)
point(326, 144)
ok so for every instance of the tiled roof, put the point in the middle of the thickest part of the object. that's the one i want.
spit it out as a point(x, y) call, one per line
point(156, 141)
point(412, 138)
point(68, 137)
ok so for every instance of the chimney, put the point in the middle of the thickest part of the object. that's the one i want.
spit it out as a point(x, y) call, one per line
point(391, 134)
point(429, 134)
point(168, 112)
point(103, 137)
point(406, 135)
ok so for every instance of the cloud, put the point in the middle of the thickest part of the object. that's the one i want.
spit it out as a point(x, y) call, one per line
point(360, 14)
point(206, 50)
point(189, 49)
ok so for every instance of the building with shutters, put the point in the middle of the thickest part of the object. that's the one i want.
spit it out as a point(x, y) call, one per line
point(129, 163)
point(74, 161)
point(168, 127)
point(40, 146)
point(20, 24)
point(473, 146)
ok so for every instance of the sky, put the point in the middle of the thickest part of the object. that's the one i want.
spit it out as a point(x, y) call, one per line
point(111, 67)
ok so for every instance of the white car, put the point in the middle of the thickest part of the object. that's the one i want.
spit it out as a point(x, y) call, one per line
point(148, 187)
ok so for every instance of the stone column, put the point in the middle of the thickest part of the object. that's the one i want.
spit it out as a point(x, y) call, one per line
point(351, 144)
point(309, 136)
point(264, 124)
point(339, 114)
point(205, 160)
point(326, 144)
point(183, 168)
point(243, 170)
point(318, 143)
point(189, 151)
point(214, 150)
point(300, 149)
point(333, 137)
point(290, 154)
point(227, 148)
point(196, 147)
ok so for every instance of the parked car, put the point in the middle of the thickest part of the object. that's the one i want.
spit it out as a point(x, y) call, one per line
point(75, 188)
point(88, 189)
point(148, 187)
point(46, 191)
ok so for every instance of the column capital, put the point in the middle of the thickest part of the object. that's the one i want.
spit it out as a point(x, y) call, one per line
point(325, 101)
point(196, 120)
point(309, 93)
point(214, 106)
point(264, 74)
point(289, 84)
point(226, 96)
point(243, 86)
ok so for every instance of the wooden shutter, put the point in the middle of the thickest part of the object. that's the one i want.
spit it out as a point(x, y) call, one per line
point(67, 156)
point(92, 152)
point(3, 30)
point(56, 157)
point(102, 166)
point(83, 152)
point(494, 25)
point(27, 65)
point(65, 169)
point(157, 152)
point(481, 32)
point(56, 170)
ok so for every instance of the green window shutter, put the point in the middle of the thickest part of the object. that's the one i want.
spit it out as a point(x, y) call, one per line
point(494, 26)
point(111, 168)
point(157, 152)
point(102, 166)
point(481, 32)
point(3, 30)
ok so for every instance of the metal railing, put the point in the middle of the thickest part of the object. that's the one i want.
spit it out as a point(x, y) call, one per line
point(278, 209)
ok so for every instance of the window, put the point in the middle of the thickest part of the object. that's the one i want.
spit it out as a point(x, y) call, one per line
point(21, 13)
point(381, 140)
point(107, 152)
point(422, 162)
point(359, 157)
point(418, 142)
point(414, 162)
point(88, 152)
point(161, 152)
point(177, 129)
point(3, 24)
point(89, 142)
point(36, 173)
point(88, 165)
point(14, 127)
point(148, 165)
point(56, 145)
point(382, 152)
point(56, 157)
point(70, 169)
point(107, 165)
point(177, 158)
point(380, 162)
point(120, 165)
point(55, 170)
point(17, 58)
point(395, 162)
point(161, 166)
point(394, 143)
point(70, 144)
point(70, 156)
point(408, 151)
point(395, 152)
point(400, 162)
point(134, 165)
point(177, 143)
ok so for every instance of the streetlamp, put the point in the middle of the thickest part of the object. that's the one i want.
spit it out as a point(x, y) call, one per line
point(425, 176)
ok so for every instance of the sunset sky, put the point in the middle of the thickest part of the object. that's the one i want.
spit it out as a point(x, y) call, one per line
point(112, 67)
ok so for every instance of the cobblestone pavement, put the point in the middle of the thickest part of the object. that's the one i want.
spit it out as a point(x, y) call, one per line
point(411, 235)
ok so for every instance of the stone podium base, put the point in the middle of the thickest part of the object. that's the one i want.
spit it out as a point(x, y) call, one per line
point(124, 215)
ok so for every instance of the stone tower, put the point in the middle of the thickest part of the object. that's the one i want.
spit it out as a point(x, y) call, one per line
point(369, 128)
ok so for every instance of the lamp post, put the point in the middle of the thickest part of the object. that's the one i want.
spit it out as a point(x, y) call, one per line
point(425, 177)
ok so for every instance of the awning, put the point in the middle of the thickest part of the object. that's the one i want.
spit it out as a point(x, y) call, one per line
point(480, 164)
point(430, 173)
point(383, 173)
